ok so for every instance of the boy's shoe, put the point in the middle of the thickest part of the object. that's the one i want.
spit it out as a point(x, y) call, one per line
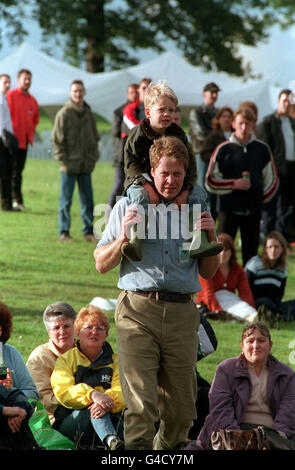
point(206, 248)
point(132, 250)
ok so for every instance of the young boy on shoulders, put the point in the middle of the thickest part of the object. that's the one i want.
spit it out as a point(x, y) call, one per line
point(160, 103)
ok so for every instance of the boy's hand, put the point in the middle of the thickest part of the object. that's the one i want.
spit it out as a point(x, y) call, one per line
point(181, 198)
point(152, 195)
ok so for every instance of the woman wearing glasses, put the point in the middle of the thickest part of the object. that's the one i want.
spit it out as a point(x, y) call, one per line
point(86, 383)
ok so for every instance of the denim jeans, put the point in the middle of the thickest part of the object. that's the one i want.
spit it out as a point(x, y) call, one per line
point(79, 423)
point(86, 202)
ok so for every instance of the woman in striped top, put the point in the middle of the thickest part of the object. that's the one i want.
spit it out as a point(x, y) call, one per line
point(267, 275)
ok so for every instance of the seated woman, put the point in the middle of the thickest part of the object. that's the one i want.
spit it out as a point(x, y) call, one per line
point(253, 389)
point(267, 275)
point(18, 375)
point(218, 293)
point(86, 383)
point(58, 319)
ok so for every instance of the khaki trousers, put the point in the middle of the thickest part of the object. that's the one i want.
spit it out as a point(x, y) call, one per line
point(157, 351)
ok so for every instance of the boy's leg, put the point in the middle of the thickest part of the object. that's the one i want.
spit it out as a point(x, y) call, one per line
point(133, 249)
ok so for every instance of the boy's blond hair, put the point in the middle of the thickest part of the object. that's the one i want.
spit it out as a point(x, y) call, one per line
point(154, 90)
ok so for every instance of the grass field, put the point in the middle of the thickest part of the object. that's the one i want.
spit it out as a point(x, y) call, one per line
point(36, 269)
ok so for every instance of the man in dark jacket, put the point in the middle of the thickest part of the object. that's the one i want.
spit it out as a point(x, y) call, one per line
point(201, 126)
point(278, 131)
point(75, 144)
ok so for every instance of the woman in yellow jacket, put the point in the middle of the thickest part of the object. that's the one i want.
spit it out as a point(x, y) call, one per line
point(86, 383)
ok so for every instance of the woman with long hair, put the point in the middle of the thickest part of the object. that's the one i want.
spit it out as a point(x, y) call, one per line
point(221, 131)
point(267, 275)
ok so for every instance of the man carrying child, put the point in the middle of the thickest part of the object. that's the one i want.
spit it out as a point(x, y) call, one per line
point(156, 318)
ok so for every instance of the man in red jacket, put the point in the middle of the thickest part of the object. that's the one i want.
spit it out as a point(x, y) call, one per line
point(24, 112)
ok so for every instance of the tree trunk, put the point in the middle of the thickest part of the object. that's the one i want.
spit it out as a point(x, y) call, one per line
point(95, 36)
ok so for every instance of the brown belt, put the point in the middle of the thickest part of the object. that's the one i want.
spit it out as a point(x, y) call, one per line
point(164, 296)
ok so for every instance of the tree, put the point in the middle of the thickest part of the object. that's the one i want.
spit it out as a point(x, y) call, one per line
point(11, 14)
point(105, 33)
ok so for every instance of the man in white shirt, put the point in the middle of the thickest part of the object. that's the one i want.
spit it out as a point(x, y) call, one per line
point(278, 131)
point(6, 160)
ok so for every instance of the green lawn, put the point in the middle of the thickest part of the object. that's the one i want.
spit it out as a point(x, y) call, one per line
point(36, 269)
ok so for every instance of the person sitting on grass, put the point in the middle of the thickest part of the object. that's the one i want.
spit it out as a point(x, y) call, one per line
point(267, 275)
point(58, 319)
point(250, 390)
point(87, 386)
point(15, 412)
point(18, 375)
point(218, 294)
point(160, 103)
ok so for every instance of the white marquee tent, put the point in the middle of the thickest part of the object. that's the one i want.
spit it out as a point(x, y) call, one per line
point(106, 91)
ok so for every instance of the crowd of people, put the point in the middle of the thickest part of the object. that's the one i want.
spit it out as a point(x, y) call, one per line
point(144, 397)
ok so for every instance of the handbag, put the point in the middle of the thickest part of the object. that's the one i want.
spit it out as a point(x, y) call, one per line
point(238, 439)
point(10, 141)
point(44, 434)
point(207, 339)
